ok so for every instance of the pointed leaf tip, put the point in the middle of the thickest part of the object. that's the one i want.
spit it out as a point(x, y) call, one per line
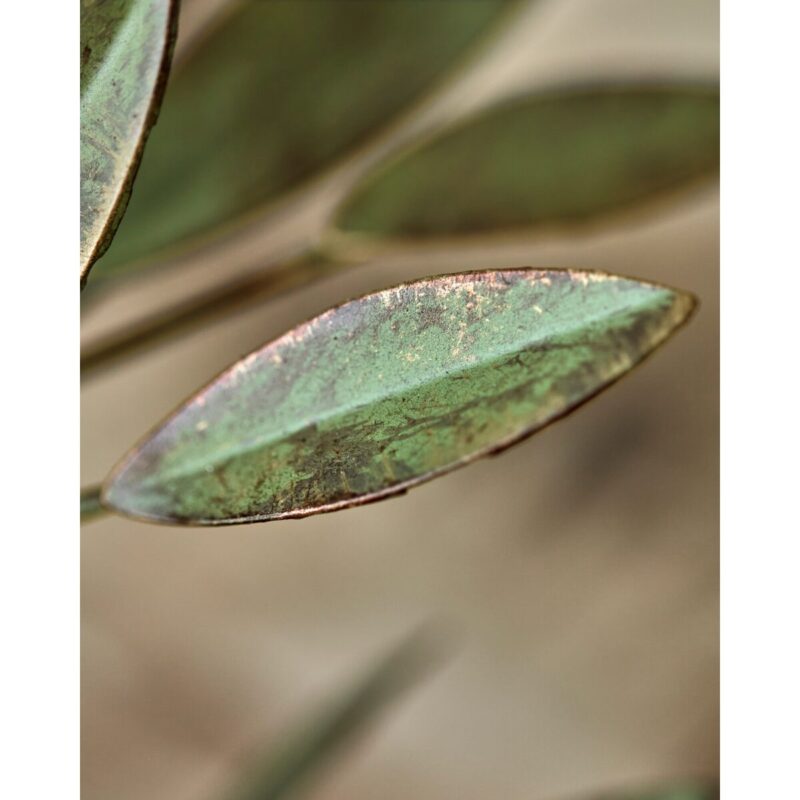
point(392, 389)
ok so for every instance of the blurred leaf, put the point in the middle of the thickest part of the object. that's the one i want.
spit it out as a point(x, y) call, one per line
point(390, 390)
point(126, 46)
point(311, 747)
point(276, 92)
point(693, 790)
point(543, 158)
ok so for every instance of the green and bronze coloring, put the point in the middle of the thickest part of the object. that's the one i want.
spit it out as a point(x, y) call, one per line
point(390, 390)
point(126, 46)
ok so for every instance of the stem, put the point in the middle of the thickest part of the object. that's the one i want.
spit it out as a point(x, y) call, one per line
point(91, 507)
point(217, 302)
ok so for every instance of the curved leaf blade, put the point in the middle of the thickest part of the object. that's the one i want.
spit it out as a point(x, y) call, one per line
point(390, 390)
point(278, 91)
point(126, 47)
point(543, 159)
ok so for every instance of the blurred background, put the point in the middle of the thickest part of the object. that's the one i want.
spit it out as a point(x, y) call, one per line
point(576, 576)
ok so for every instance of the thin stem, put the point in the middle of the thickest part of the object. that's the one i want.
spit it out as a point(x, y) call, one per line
point(217, 302)
point(91, 507)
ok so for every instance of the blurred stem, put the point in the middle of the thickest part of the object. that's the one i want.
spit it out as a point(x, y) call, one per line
point(91, 507)
point(314, 744)
point(217, 302)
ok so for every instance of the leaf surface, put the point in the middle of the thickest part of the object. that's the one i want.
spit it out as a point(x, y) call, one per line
point(274, 94)
point(392, 389)
point(543, 159)
point(126, 46)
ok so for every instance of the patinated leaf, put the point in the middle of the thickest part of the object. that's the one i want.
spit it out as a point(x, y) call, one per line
point(276, 92)
point(126, 46)
point(543, 159)
point(390, 390)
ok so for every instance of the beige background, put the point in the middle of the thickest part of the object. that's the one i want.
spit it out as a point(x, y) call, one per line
point(578, 571)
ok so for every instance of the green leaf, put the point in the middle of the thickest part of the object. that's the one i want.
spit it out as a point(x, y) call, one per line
point(277, 92)
point(390, 390)
point(304, 751)
point(543, 159)
point(126, 47)
point(691, 790)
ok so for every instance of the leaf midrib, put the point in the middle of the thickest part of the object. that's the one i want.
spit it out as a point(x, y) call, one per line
point(268, 441)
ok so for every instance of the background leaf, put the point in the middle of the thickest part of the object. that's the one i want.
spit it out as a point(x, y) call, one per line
point(390, 390)
point(690, 790)
point(540, 159)
point(274, 94)
point(303, 752)
point(126, 47)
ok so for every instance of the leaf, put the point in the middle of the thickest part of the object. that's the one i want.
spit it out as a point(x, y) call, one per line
point(126, 46)
point(543, 159)
point(275, 93)
point(390, 390)
point(693, 790)
point(312, 746)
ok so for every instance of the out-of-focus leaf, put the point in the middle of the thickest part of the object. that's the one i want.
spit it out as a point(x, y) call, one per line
point(390, 390)
point(126, 46)
point(288, 767)
point(690, 790)
point(276, 92)
point(542, 159)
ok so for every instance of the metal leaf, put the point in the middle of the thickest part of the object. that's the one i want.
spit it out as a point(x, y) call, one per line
point(543, 159)
point(276, 92)
point(390, 390)
point(126, 46)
